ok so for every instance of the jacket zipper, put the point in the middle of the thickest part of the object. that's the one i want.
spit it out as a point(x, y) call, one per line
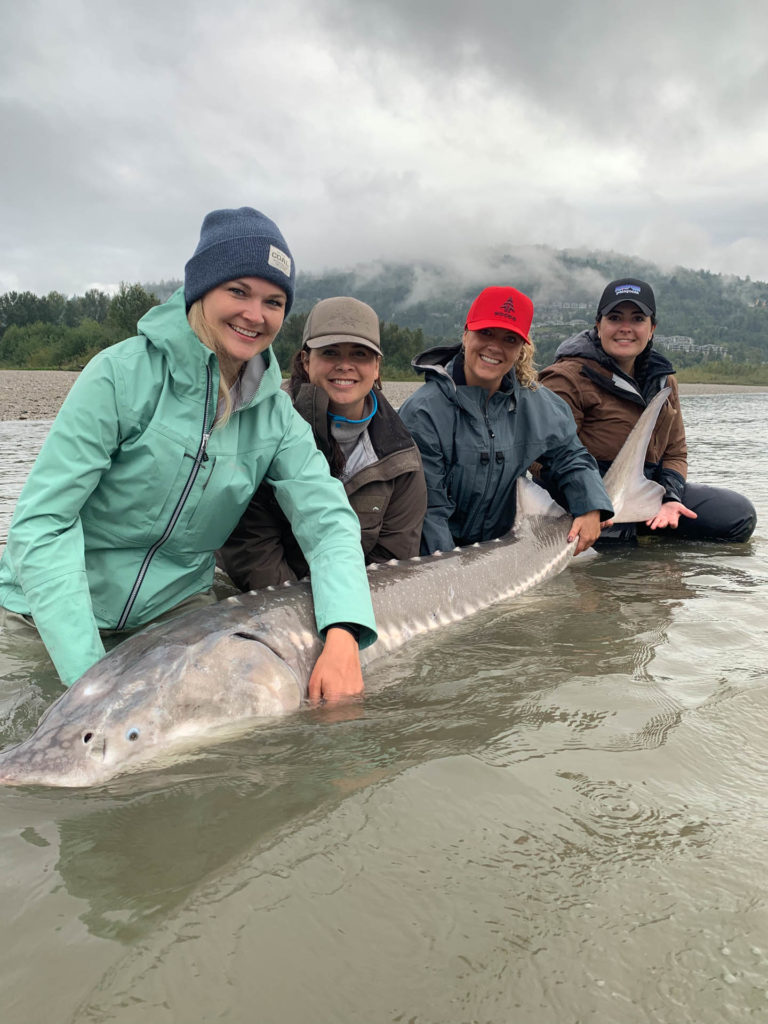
point(197, 462)
point(489, 473)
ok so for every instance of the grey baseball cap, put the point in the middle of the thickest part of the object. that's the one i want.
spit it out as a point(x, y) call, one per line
point(333, 321)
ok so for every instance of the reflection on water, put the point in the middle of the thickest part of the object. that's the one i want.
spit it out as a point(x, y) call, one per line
point(551, 813)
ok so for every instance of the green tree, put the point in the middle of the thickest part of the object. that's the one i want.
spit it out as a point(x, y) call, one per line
point(31, 345)
point(49, 346)
point(288, 340)
point(52, 308)
point(400, 345)
point(17, 309)
point(128, 306)
point(94, 305)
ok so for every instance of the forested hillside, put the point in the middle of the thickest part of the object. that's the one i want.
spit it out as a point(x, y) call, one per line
point(710, 309)
point(714, 325)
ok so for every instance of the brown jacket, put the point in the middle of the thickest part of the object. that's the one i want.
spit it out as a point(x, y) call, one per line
point(607, 403)
point(389, 497)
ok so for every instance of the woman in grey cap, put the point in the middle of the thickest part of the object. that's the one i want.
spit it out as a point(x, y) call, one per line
point(607, 375)
point(155, 455)
point(335, 386)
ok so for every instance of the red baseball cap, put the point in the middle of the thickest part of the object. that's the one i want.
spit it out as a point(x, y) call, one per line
point(501, 307)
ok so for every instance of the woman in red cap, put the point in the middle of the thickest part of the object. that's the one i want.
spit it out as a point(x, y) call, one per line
point(480, 420)
point(607, 375)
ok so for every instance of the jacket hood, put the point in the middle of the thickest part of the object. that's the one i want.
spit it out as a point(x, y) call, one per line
point(166, 327)
point(440, 363)
point(311, 402)
point(586, 345)
point(436, 359)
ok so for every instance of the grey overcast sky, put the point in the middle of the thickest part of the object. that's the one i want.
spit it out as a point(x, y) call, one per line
point(380, 129)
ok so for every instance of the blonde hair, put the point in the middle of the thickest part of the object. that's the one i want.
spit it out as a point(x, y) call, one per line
point(206, 334)
point(525, 370)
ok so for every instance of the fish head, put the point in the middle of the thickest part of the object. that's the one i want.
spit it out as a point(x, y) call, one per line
point(146, 703)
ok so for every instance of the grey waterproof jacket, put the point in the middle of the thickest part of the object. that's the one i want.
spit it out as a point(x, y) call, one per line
point(474, 448)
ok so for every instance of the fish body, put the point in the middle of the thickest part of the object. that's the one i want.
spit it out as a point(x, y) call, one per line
point(214, 672)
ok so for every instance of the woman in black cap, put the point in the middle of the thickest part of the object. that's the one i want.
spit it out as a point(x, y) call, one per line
point(608, 374)
point(335, 386)
point(156, 453)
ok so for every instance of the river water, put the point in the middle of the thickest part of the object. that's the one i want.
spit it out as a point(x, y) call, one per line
point(554, 813)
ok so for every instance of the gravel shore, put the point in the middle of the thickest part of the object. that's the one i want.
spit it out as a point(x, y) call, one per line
point(37, 394)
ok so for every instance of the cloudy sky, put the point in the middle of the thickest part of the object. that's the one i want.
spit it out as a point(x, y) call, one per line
point(380, 129)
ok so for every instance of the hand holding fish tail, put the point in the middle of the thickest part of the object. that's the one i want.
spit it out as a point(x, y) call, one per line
point(337, 674)
point(587, 528)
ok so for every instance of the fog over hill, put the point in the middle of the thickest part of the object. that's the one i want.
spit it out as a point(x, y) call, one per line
point(711, 309)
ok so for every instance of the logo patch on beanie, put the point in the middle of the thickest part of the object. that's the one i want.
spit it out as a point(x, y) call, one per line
point(279, 260)
point(507, 310)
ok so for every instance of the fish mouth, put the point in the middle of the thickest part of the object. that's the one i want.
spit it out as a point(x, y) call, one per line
point(97, 747)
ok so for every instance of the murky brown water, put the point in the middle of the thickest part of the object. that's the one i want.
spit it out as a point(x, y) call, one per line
point(554, 813)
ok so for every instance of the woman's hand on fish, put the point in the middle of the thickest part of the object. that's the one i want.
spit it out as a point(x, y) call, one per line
point(337, 674)
point(587, 529)
point(669, 515)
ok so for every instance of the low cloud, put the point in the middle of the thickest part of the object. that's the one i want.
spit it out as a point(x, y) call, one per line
point(381, 130)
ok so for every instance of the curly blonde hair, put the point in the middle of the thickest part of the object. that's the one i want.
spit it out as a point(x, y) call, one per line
point(525, 370)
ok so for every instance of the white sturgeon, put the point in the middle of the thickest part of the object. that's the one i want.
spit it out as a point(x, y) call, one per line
point(214, 672)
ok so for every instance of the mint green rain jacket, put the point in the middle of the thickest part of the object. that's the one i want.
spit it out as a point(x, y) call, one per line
point(133, 491)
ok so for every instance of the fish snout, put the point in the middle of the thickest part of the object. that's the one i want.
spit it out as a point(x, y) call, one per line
point(95, 744)
point(68, 757)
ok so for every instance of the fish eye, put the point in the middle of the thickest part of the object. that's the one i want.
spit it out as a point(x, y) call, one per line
point(132, 734)
point(87, 737)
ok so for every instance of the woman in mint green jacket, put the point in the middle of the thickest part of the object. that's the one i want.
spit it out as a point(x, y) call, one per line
point(156, 453)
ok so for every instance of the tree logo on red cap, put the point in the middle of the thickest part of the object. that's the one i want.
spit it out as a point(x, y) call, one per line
point(508, 310)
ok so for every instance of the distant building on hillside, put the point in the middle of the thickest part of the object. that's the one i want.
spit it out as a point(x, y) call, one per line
point(681, 343)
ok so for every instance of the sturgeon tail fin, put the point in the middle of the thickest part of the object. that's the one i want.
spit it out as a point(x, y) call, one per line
point(634, 497)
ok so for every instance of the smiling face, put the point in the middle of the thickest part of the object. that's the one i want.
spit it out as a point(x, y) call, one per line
point(346, 372)
point(624, 334)
point(245, 315)
point(489, 354)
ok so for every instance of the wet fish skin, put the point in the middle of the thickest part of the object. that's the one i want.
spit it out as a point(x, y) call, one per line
point(215, 672)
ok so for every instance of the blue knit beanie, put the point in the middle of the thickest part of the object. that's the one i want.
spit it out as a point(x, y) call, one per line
point(239, 243)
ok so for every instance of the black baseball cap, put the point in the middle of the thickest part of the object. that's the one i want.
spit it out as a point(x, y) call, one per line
point(627, 289)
